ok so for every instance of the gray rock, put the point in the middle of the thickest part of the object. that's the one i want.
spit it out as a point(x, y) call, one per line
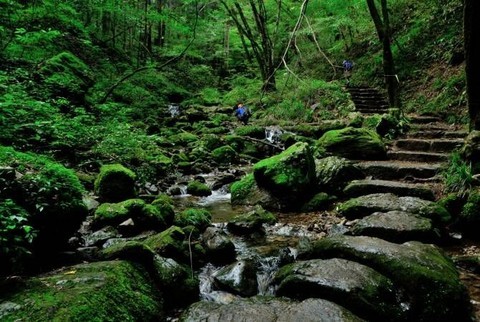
point(365, 187)
point(396, 226)
point(429, 278)
point(333, 173)
point(356, 287)
point(239, 278)
point(268, 310)
point(219, 247)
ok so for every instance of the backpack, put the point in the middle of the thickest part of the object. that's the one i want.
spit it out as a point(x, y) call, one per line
point(347, 65)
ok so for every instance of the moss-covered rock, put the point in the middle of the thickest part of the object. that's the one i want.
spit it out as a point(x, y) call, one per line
point(101, 291)
point(289, 175)
point(144, 216)
point(115, 183)
point(197, 188)
point(197, 217)
point(174, 243)
point(321, 201)
point(333, 173)
point(251, 222)
point(224, 155)
point(469, 217)
point(66, 76)
point(471, 149)
point(252, 131)
point(183, 138)
point(247, 192)
point(433, 288)
point(353, 143)
point(51, 195)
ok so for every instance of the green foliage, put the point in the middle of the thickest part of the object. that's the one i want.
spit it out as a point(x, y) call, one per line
point(458, 176)
point(15, 235)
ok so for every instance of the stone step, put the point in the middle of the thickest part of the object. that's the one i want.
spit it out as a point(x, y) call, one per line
point(371, 111)
point(429, 145)
point(371, 105)
point(424, 119)
point(436, 134)
point(358, 188)
point(417, 156)
point(399, 170)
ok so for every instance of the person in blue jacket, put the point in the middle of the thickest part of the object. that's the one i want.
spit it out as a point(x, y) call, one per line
point(242, 113)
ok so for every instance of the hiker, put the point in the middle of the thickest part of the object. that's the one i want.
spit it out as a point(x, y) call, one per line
point(242, 113)
point(347, 70)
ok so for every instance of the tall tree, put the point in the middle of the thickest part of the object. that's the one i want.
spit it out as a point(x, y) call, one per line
point(472, 54)
point(382, 25)
point(256, 31)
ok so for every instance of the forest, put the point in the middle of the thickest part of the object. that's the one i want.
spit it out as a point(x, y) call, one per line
point(131, 189)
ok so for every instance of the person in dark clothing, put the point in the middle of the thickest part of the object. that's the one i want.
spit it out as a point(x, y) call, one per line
point(242, 113)
point(347, 70)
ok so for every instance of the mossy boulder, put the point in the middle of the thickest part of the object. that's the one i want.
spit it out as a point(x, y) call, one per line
point(470, 150)
point(143, 215)
point(433, 289)
point(100, 291)
point(50, 194)
point(289, 175)
point(246, 192)
point(175, 280)
point(224, 155)
point(197, 188)
point(174, 243)
point(251, 222)
point(183, 138)
point(333, 173)
point(65, 75)
point(469, 217)
point(252, 131)
point(115, 183)
point(320, 201)
point(197, 217)
point(353, 143)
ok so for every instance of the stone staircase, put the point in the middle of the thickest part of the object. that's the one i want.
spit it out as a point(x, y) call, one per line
point(368, 100)
point(415, 159)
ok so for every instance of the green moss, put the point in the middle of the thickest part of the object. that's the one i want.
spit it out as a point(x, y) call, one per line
point(101, 291)
point(115, 183)
point(145, 216)
point(470, 212)
point(167, 243)
point(200, 218)
point(291, 171)
point(183, 138)
point(251, 131)
point(353, 143)
point(224, 154)
point(240, 190)
point(197, 188)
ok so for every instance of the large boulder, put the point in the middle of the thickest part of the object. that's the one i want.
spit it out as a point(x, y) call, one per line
point(289, 175)
point(356, 287)
point(333, 173)
point(353, 143)
point(115, 183)
point(219, 247)
point(433, 289)
point(101, 291)
point(239, 278)
point(247, 192)
point(251, 222)
point(268, 309)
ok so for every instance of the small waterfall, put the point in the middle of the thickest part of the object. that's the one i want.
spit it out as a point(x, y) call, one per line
point(267, 268)
point(273, 133)
point(174, 110)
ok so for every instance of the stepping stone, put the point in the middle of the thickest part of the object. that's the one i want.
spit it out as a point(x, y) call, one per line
point(429, 145)
point(398, 170)
point(365, 187)
point(396, 226)
point(416, 156)
point(424, 119)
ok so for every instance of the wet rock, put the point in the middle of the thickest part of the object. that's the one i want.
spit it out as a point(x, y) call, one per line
point(223, 180)
point(333, 173)
point(268, 309)
point(380, 202)
point(239, 278)
point(429, 278)
point(356, 287)
point(97, 238)
point(252, 222)
point(219, 247)
point(396, 226)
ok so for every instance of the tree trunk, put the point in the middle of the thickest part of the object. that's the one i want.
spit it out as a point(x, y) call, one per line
point(382, 25)
point(472, 52)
